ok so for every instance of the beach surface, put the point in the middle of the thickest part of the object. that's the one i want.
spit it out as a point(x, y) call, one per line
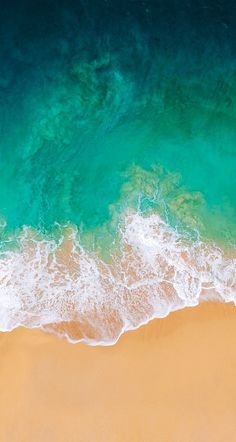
point(172, 380)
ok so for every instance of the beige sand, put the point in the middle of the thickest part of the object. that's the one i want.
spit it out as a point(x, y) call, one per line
point(172, 380)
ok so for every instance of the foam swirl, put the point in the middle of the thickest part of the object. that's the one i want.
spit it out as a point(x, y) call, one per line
point(74, 293)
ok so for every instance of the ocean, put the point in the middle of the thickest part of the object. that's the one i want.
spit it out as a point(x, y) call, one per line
point(117, 162)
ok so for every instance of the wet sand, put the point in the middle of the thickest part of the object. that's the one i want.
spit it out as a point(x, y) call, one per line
point(173, 380)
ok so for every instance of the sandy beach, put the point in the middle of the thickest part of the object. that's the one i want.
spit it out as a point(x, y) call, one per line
point(170, 381)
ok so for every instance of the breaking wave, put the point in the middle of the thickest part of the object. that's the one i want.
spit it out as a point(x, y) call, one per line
point(74, 293)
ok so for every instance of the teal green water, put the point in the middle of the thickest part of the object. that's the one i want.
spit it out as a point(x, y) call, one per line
point(88, 131)
point(108, 109)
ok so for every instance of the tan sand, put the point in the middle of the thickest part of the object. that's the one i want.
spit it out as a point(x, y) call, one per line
point(172, 380)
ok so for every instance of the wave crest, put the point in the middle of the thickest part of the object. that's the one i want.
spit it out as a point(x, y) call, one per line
point(74, 293)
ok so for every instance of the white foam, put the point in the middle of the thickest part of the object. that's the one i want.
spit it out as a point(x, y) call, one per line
point(156, 271)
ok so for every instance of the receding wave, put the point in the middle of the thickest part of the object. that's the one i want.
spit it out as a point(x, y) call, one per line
point(63, 288)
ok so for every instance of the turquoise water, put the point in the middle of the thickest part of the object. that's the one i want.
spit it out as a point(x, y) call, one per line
point(73, 127)
point(59, 165)
point(110, 107)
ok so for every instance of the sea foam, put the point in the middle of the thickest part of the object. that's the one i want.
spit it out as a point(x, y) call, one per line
point(74, 293)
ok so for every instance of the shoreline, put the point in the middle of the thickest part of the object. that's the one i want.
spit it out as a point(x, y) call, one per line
point(156, 272)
